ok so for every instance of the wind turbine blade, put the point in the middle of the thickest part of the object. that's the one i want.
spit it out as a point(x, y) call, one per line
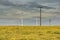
point(45, 7)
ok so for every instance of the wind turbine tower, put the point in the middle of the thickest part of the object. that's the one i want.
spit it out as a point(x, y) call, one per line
point(22, 20)
point(45, 7)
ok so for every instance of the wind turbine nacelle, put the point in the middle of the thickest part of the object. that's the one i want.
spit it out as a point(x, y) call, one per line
point(45, 7)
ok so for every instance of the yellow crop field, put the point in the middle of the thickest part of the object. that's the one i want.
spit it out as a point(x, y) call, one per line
point(29, 33)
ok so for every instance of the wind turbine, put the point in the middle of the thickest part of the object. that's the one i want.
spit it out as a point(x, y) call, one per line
point(36, 5)
point(49, 21)
point(22, 20)
point(45, 7)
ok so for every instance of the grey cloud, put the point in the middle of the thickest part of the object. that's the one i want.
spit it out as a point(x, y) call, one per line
point(36, 5)
point(56, 12)
point(29, 5)
point(5, 2)
point(50, 3)
point(47, 1)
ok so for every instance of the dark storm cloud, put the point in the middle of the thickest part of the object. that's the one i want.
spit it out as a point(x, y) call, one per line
point(36, 5)
point(29, 5)
point(6, 3)
point(52, 1)
point(48, 1)
point(13, 9)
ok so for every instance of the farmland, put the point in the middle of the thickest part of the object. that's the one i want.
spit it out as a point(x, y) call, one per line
point(29, 33)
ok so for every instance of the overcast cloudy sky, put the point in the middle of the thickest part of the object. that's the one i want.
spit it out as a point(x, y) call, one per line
point(12, 11)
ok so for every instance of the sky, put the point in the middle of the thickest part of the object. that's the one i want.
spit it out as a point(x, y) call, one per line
point(13, 11)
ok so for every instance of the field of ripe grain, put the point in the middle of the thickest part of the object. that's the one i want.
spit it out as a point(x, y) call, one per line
point(29, 33)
